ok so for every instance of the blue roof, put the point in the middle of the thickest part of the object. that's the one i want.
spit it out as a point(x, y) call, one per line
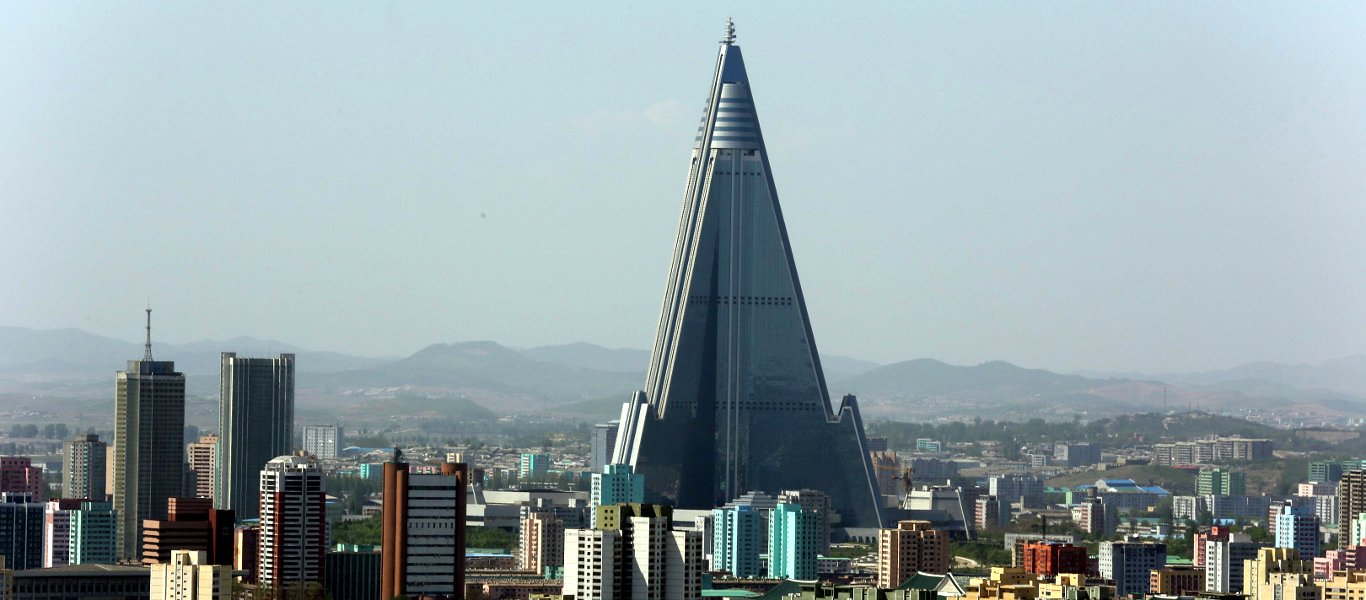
point(1155, 489)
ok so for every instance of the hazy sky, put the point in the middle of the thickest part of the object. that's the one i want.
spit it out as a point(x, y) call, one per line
point(1084, 185)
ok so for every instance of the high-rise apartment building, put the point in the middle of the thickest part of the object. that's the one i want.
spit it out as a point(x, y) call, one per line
point(189, 575)
point(990, 514)
point(18, 475)
point(423, 550)
point(1217, 533)
point(1351, 502)
point(793, 542)
point(203, 458)
point(540, 542)
point(1327, 471)
point(149, 438)
point(293, 536)
point(190, 524)
point(735, 397)
point(323, 441)
point(910, 547)
point(1224, 560)
point(600, 447)
point(817, 502)
point(1297, 527)
point(1279, 574)
point(737, 540)
point(21, 530)
point(615, 484)
point(1130, 564)
point(1220, 482)
point(633, 553)
point(255, 425)
point(83, 468)
point(1094, 517)
point(533, 466)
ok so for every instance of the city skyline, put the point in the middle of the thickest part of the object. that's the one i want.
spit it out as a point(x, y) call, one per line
point(1081, 187)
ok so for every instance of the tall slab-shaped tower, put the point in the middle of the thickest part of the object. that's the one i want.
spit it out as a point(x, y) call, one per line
point(735, 399)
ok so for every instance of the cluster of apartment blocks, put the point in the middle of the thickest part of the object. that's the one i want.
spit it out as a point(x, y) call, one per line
point(1211, 451)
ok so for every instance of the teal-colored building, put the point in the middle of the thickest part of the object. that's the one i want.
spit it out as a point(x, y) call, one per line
point(372, 471)
point(534, 466)
point(616, 484)
point(93, 535)
point(793, 542)
point(737, 539)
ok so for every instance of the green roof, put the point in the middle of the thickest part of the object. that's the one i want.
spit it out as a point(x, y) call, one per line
point(786, 587)
point(921, 581)
point(730, 593)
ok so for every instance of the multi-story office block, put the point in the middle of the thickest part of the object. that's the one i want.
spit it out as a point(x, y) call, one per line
point(814, 501)
point(84, 469)
point(1130, 564)
point(1012, 488)
point(1094, 517)
point(734, 398)
point(1327, 471)
point(189, 575)
point(600, 447)
point(990, 514)
point(1297, 527)
point(1219, 482)
point(1224, 560)
point(1076, 454)
point(540, 542)
point(149, 444)
point(293, 534)
point(633, 553)
point(203, 459)
point(94, 534)
point(793, 542)
point(423, 532)
point(77, 531)
point(1049, 559)
point(737, 540)
point(190, 524)
point(533, 466)
point(19, 476)
point(323, 441)
point(1180, 580)
point(616, 484)
point(911, 547)
point(255, 425)
point(1279, 574)
point(21, 530)
point(352, 575)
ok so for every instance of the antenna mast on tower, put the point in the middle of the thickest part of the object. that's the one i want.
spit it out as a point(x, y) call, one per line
point(147, 347)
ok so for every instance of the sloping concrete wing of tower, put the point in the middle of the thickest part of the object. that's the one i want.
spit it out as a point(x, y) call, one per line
point(735, 399)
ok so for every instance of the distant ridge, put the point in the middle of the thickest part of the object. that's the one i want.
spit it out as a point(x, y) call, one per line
point(588, 381)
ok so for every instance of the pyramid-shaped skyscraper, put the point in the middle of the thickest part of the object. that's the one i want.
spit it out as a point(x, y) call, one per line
point(735, 399)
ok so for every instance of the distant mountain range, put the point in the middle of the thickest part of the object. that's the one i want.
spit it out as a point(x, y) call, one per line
point(590, 381)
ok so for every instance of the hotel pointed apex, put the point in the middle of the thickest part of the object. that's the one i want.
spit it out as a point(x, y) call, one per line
point(735, 399)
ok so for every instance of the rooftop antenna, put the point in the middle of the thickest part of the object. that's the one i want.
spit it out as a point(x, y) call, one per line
point(147, 347)
point(730, 32)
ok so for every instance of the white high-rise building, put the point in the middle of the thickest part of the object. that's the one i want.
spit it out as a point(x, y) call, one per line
point(322, 441)
point(633, 554)
point(614, 485)
point(1130, 564)
point(293, 522)
point(1224, 564)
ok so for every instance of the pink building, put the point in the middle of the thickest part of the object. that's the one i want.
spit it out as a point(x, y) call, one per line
point(17, 474)
point(1208, 534)
point(1317, 488)
point(1350, 558)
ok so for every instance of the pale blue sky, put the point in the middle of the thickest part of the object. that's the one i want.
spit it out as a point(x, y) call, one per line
point(1062, 185)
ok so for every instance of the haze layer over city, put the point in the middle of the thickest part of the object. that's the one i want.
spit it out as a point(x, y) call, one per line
point(1075, 187)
